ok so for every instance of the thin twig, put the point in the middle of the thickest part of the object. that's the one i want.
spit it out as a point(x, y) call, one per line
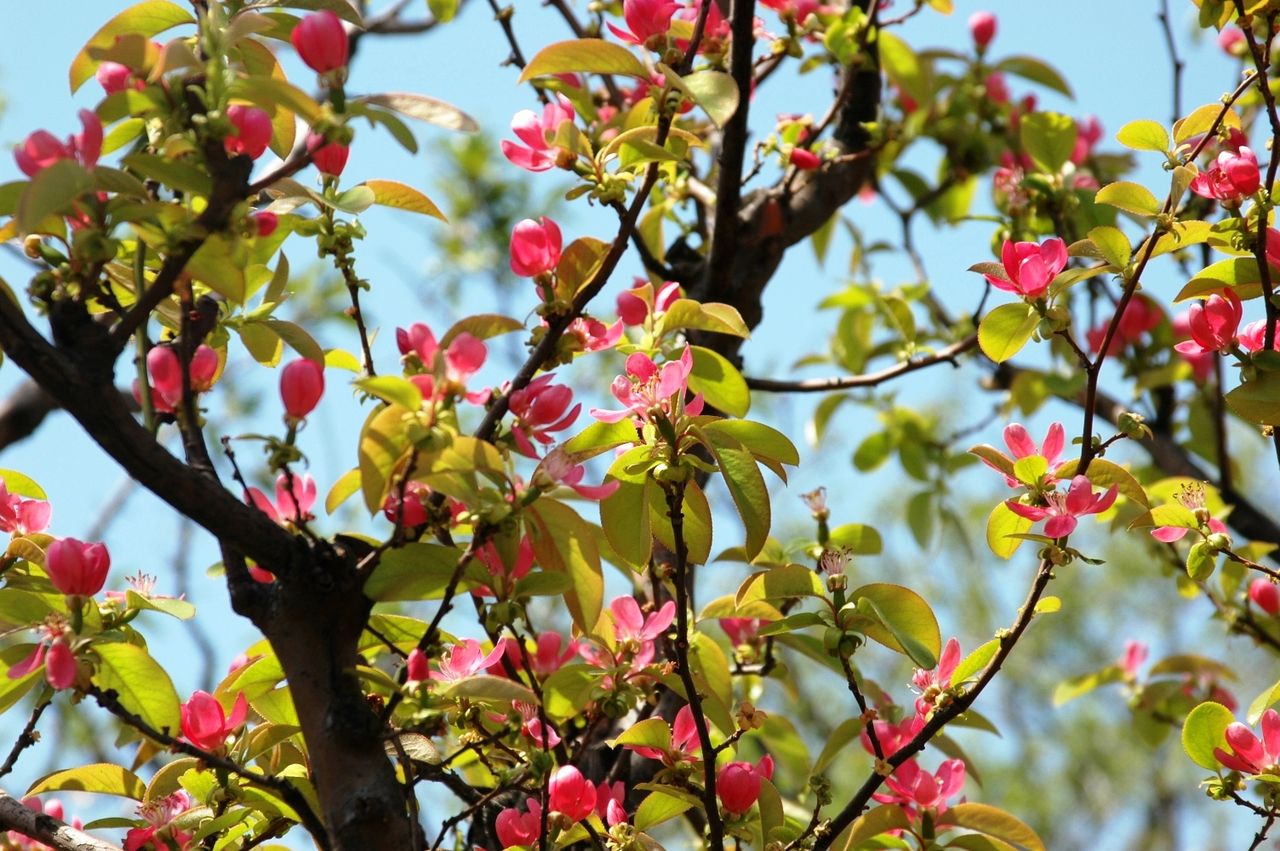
point(871, 379)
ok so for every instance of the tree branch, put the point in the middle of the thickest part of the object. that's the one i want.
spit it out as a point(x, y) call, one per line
point(17, 816)
point(871, 379)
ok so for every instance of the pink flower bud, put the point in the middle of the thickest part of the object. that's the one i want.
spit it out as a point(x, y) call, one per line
point(738, 785)
point(535, 247)
point(330, 158)
point(982, 26)
point(60, 665)
point(417, 667)
point(206, 725)
point(203, 369)
point(253, 131)
point(265, 223)
point(1265, 595)
point(805, 159)
point(113, 77)
point(301, 386)
point(321, 41)
point(1232, 42)
point(75, 567)
point(571, 794)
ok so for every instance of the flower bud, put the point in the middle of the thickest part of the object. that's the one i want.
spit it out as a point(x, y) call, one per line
point(265, 223)
point(321, 41)
point(535, 247)
point(982, 26)
point(301, 386)
point(76, 568)
point(330, 158)
point(253, 131)
point(805, 159)
point(571, 794)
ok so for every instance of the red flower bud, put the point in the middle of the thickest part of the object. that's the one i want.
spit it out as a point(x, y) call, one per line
point(535, 247)
point(253, 131)
point(571, 794)
point(75, 567)
point(330, 158)
point(206, 725)
point(301, 386)
point(982, 26)
point(321, 41)
point(805, 159)
point(266, 223)
point(1265, 595)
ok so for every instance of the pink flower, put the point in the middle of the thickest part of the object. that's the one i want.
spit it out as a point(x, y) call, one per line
point(42, 149)
point(685, 746)
point(517, 828)
point(559, 467)
point(1249, 754)
point(1200, 361)
point(912, 788)
point(20, 516)
point(804, 159)
point(463, 358)
point(1030, 267)
point(159, 814)
point(1213, 324)
point(206, 725)
point(633, 629)
point(330, 158)
point(1022, 446)
point(464, 660)
point(76, 568)
point(541, 408)
point(1088, 134)
point(265, 223)
point(253, 131)
point(647, 388)
point(165, 370)
point(59, 663)
point(1265, 595)
point(716, 32)
point(738, 784)
point(982, 26)
point(638, 303)
point(321, 41)
point(538, 153)
point(892, 736)
point(416, 667)
point(1253, 337)
point(1140, 316)
point(1135, 653)
point(1192, 498)
point(535, 247)
point(743, 630)
point(114, 78)
point(294, 497)
point(301, 386)
point(997, 88)
point(1230, 179)
point(611, 801)
point(571, 794)
point(413, 511)
point(931, 684)
point(1061, 509)
point(592, 335)
point(1232, 42)
point(646, 19)
point(796, 10)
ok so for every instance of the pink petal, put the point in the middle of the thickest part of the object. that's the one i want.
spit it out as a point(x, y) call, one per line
point(1018, 441)
point(1168, 534)
point(1060, 526)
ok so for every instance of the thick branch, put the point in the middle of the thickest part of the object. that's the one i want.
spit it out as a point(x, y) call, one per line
point(14, 815)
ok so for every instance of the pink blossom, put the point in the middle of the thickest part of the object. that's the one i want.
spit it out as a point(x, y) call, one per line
point(932, 683)
point(1192, 498)
point(286, 510)
point(1213, 324)
point(165, 370)
point(647, 389)
point(892, 736)
point(611, 802)
point(635, 632)
point(20, 516)
point(1088, 134)
point(206, 725)
point(647, 20)
point(54, 654)
point(1061, 510)
point(1200, 361)
point(1135, 653)
point(159, 833)
point(541, 408)
point(538, 153)
point(685, 746)
point(1249, 754)
point(1265, 595)
point(743, 630)
point(560, 468)
point(592, 335)
point(265, 223)
point(76, 568)
point(1140, 316)
point(1232, 42)
point(542, 735)
point(715, 33)
point(982, 26)
point(535, 247)
point(516, 828)
point(417, 668)
point(1030, 267)
point(413, 511)
point(1022, 446)
point(913, 788)
point(252, 131)
point(1231, 177)
point(638, 303)
point(804, 159)
point(997, 88)
point(463, 660)
point(551, 653)
point(462, 359)
point(738, 784)
point(491, 558)
point(1253, 337)
point(329, 158)
point(796, 10)
point(114, 77)
point(42, 149)
point(321, 41)
point(571, 794)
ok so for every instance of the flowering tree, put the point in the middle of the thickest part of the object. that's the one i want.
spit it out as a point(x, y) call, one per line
point(622, 720)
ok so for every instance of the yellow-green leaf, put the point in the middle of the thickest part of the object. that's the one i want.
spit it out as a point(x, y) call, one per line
point(586, 55)
point(141, 685)
point(102, 778)
point(1005, 330)
point(147, 19)
point(389, 193)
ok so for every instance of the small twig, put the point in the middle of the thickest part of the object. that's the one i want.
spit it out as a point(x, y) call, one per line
point(851, 678)
point(871, 379)
point(28, 737)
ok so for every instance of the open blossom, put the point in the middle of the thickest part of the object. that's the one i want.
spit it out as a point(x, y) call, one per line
point(646, 388)
point(738, 784)
point(1249, 754)
point(551, 653)
point(158, 833)
point(1022, 446)
point(253, 131)
point(1135, 653)
point(743, 630)
point(1213, 324)
point(540, 408)
point(592, 335)
point(684, 741)
point(638, 303)
point(294, 497)
point(560, 468)
point(42, 149)
point(611, 802)
point(321, 41)
point(1140, 316)
point(1231, 177)
point(633, 629)
point(516, 828)
point(1264, 594)
point(1253, 337)
point(1200, 361)
point(19, 516)
point(463, 358)
point(465, 659)
point(535, 247)
point(491, 558)
point(1191, 497)
point(77, 568)
point(206, 725)
point(645, 19)
point(913, 788)
point(165, 369)
point(892, 736)
point(932, 683)
point(571, 794)
point(1062, 510)
point(537, 133)
point(1030, 267)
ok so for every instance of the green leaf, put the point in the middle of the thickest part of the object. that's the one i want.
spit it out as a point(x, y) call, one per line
point(175, 174)
point(585, 56)
point(1130, 197)
point(383, 443)
point(102, 778)
point(712, 316)
point(1078, 686)
point(624, 516)
point(21, 484)
point(147, 19)
point(1144, 135)
point(996, 823)
point(219, 266)
point(141, 685)
point(564, 542)
point(1104, 474)
point(697, 521)
point(715, 92)
point(271, 92)
point(390, 193)
point(1258, 400)
point(910, 625)
point(870, 825)
point(393, 389)
point(1200, 119)
point(844, 733)
point(745, 484)
point(904, 67)
point(1001, 524)
point(488, 689)
point(180, 609)
point(51, 191)
point(719, 382)
point(598, 438)
point(482, 326)
point(567, 691)
point(651, 732)
point(426, 109)
point(443, 10)
point(661, 805)
point(1113, 245)
point(1049, 137)
point(1030, 68)
point(857, 538)
point(341, 8)
point(973, 663)
point(1204, 730)
point(417, 571)
point(776, 583)
point(1005, 330)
